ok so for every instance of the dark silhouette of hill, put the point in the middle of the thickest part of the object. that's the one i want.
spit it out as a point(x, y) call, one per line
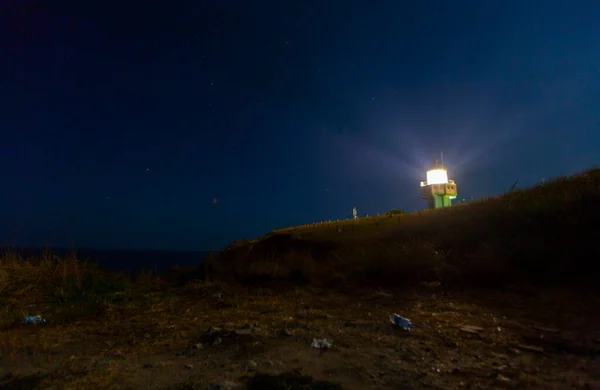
point(545, 235)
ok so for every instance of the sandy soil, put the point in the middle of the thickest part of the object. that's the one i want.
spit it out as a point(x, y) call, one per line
point(216, 337)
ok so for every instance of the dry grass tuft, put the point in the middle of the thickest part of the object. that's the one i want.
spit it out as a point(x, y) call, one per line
point(27, 282)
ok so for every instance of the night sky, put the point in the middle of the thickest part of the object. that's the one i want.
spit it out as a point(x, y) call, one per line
point(191, 124)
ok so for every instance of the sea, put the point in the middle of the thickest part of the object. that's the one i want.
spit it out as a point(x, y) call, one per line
point(128, 261)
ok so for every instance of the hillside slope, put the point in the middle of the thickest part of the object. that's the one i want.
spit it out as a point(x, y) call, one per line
point(547, 235)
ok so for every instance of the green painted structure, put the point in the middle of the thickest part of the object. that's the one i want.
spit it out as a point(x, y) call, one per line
point(438, 190)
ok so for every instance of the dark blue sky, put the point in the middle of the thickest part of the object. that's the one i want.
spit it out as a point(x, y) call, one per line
point(120, 125)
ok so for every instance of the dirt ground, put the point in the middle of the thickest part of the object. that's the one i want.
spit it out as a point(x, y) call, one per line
point(218, 337)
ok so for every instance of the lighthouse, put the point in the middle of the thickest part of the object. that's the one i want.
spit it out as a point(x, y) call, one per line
point(438, 190)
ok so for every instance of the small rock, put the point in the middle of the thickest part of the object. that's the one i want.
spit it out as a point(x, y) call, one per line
point(189, 366)
point(225, 385)
point(502, 378)
point(217, 341)
point(471, 329)
point(7, 377)
point(549, 330)
point(532, 348)
point(102, 362)
point(252, 364)
point(431, 284)
point(248, 331)
point(198, 346)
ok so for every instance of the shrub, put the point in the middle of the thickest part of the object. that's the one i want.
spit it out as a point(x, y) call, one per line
point(395, 212)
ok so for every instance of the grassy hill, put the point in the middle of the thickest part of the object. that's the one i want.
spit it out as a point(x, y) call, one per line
point(547, 235)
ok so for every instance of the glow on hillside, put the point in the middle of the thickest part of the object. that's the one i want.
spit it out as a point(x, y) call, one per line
point(437, 176)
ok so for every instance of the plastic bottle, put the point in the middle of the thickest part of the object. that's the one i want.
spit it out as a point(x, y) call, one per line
point(401, 322)
point(34, 320)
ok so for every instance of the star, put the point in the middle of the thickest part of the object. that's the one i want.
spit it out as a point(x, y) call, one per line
point(215, 200)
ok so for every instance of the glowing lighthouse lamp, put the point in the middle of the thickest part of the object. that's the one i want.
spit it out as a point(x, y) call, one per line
point(438, 190)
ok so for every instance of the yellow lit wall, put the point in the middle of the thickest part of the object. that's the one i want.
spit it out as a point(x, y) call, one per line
point(437, 176)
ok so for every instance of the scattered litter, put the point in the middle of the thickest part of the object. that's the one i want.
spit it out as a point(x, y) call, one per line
point(401, 322)
point(34, 320)
point(471, 329)
point(321, 344)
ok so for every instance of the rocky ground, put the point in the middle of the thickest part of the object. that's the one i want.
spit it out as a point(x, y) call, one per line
point(219, 337)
